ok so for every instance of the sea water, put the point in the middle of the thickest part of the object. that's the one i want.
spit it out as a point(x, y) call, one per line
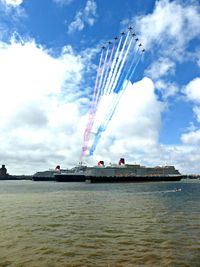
point(115, 225)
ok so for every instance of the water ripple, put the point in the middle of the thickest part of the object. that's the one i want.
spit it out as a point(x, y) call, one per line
point(99, 225)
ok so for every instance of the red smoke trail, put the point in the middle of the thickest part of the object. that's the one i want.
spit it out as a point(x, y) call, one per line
point(88, 127)
point(101, 78)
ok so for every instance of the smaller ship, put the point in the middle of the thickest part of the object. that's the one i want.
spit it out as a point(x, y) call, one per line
point(46, 176)
point(76, 174)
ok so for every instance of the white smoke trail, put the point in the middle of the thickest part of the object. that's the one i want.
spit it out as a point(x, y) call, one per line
point(112, 67)
point(108, 67)
point(117, 64)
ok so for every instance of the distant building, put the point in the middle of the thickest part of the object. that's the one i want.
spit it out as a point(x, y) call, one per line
point(3, 171)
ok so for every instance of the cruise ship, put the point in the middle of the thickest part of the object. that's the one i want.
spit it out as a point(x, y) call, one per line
point(113, 173)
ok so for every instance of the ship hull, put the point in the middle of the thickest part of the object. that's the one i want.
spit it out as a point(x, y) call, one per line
point(123, 179)
point(70, 178)
point(133, 179)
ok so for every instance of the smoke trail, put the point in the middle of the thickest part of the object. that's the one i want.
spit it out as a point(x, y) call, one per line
point(95, 102)
point(122, 89)
point(97, 78)
point(115, 104)
point(117, 64)
point(87, 130)
point(98, 93)
point(101, 78)
point(109, 116)
point(126, 74)
point(108, 67)
point(121, 66)
point(112, 67)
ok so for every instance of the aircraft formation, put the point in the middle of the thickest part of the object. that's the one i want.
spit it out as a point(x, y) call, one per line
point(118, 63)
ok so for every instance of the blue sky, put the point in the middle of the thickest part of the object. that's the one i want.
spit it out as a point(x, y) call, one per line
point(49, 52)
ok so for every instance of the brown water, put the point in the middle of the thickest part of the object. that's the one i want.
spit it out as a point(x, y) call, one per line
point(77, 224)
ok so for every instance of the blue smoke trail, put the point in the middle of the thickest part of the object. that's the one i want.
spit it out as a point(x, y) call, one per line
point(121, 67)
point(126, 73)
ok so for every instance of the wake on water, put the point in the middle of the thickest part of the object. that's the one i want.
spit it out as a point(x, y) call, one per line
point(157, 192)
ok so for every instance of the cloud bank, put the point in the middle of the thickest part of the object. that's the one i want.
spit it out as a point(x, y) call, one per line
point(84, 17)
point(13, 3)
point(38, 116)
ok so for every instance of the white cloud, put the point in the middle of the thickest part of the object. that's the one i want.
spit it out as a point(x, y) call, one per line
point(167, 88)
point(192, 93)
point(185, 157)
point(160, 71)
point(90, 12)
point(166, 34)
point(13, 3)
point(38, 117)
point(192, 90)
point(63, 2)
point(171, 26)
point(191, 138)
point(83, 17)
point(77, 24)
point(162, 67)
point(196, 111)
point(12, 14)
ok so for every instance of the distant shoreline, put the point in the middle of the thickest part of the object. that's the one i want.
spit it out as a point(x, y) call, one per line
point(15, 177)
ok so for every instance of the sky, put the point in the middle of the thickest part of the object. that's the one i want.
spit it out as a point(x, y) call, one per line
point(49, 54)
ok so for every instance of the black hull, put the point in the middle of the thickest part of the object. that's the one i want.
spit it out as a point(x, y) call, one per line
point(70, 178)
point(133, 179)
point(97, 179)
